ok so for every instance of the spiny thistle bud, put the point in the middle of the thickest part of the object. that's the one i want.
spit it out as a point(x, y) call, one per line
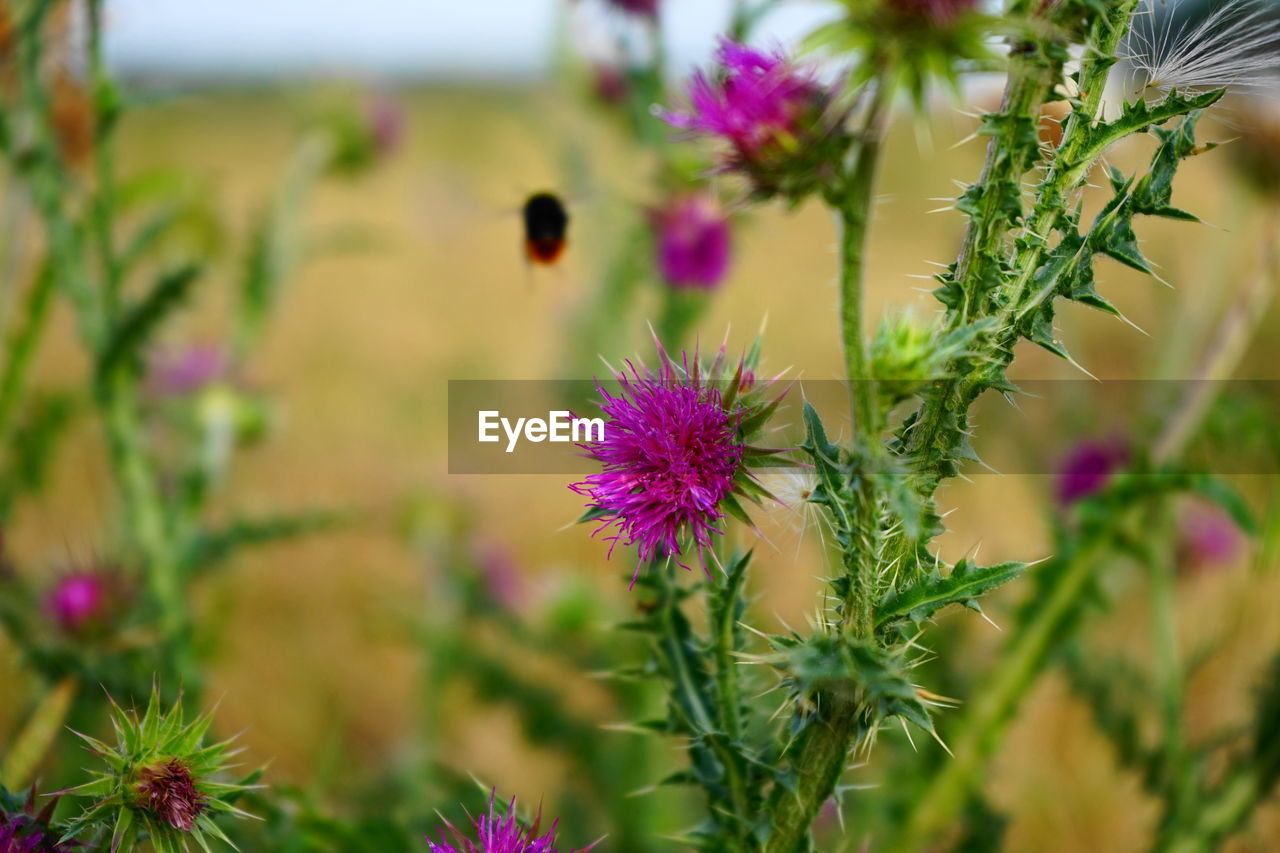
point(159, 781)
point(693, 242)
point(677, 454)
point(495, 833)
point(907, 354)
point(783, 128)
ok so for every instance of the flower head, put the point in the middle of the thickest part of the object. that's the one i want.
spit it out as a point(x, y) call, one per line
point(676, 456)
point(778, 121)
point(1207, 538)
point(159, 780)
point(495, 833)
point(693, 242)
point(385, 118)
point(1087, 469)
point(84, 599)
point(168, 790)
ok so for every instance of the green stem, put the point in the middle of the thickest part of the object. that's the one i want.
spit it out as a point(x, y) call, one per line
point(20, 350)
point(819, 761)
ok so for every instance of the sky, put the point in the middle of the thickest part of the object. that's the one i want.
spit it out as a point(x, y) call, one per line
point(421, 38)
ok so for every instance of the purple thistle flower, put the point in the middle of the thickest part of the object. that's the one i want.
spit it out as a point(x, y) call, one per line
point(693, 242)
point(83, 599)
point(1087, 469)
point(673, 456)
point(498, 571)
point(773, 114)
point(1207, 538)
point(496, 834)
point(28, 832)
point(179, 372)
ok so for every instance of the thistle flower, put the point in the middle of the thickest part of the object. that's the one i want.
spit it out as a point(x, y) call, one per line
point(676, 456)
point(498, 572)
point(781, 126)
point(1234, 46)
point(497, 834)
point(385, 119)
point(1087, 469)
point(1207, 538)
point(693, 242)
point(159, 781)
point(84, 600)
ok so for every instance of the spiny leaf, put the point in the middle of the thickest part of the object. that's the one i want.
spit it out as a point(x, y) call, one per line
point(965, 584)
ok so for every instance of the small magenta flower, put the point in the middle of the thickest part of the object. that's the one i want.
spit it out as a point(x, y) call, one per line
point(778, 121)
point(1207, 538)
point(24, 834)
point(1087, 469)
point(498, 572)
point(497, 834)
point(84, 600)
point(693, 242)
point(675, 456)
point(186, 370)
point(168, 790)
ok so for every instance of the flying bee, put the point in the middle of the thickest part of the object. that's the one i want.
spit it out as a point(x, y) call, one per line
point(546, 223)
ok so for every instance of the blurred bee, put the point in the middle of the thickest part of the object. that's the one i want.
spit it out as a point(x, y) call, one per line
point(546, 222)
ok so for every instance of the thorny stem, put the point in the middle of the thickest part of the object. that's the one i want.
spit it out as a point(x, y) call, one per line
point(820, 757)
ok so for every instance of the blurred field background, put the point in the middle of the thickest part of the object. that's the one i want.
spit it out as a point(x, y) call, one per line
point(417, 277)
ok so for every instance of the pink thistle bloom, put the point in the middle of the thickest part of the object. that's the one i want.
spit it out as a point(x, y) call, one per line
point(773, 114)
point(499, 572)
point(1087, 470)
point(83, 600)
point(693, 240)
point(674, 457)
point(168, 791)
point(1207, 538)
point(496, 834)
point(179, 372)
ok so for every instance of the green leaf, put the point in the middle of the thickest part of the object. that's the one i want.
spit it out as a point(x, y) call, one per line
point(135, 329)
point(963, 586)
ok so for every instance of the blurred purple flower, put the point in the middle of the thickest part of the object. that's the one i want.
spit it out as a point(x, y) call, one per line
point(693, 242)
point(610, 83)
point(83, 599)
point(496, 834)
point(386, 123)
point(648, 8)
point(939, 12)
point(498, 570)
point(181, 371)
point(1207, 538)
point(23, 833)
point(1088, 468)
point(771, 112)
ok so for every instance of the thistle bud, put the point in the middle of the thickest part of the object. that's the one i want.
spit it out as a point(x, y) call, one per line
point(160, 780)
point(1088, 468)
point(84, 601)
